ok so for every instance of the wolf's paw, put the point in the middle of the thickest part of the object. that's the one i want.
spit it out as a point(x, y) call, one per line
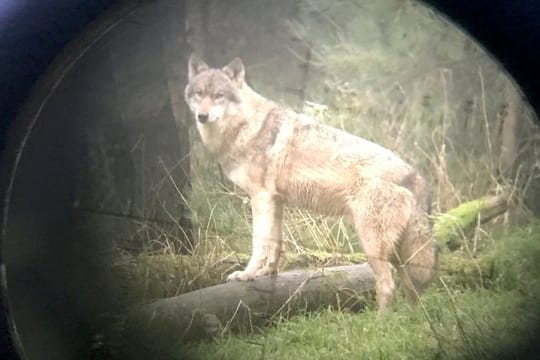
point(265, 271)
point(241, 276)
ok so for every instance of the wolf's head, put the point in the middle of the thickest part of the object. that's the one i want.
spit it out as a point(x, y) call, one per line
point(210, 93)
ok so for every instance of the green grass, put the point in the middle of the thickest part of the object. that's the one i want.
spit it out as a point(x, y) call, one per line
point(471, 324)
point(457, 319)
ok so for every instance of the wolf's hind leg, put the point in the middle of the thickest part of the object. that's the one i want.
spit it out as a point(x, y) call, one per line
point(380, 213)
point(418, 259)
point(267, 211)
point(384, 282)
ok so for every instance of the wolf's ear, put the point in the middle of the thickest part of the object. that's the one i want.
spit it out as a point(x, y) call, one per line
point(235, 71)
point(196, 65)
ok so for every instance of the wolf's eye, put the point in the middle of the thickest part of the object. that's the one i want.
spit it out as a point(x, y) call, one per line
point(219, 96)
point(198, 92)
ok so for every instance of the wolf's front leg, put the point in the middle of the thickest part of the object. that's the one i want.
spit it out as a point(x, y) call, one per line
point(267, 212)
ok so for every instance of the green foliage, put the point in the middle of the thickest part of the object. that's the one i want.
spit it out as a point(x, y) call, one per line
point(508, 261)
point(516, 258)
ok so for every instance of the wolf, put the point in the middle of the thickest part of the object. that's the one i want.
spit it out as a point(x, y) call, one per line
point(280, 157)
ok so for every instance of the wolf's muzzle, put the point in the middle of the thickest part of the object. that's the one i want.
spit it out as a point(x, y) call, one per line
point(202, 118)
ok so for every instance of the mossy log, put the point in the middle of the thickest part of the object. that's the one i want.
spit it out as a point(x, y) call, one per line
point(452, 227)
point(167, 322)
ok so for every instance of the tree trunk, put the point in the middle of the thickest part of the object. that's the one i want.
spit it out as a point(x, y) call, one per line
point(509, 117)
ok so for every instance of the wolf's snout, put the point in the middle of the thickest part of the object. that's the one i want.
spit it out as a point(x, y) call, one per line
point(202, 118)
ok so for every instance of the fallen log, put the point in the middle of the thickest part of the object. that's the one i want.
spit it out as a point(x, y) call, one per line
point(452, 227)
point(166, 323)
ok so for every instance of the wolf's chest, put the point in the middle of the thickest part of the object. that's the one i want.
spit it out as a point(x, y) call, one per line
point(239, 175)
point(248, 177)
point(252, 176)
